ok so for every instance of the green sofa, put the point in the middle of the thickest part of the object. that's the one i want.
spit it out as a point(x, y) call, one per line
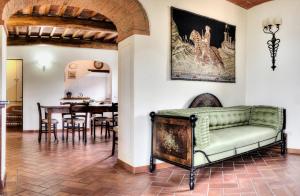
point(195, 137)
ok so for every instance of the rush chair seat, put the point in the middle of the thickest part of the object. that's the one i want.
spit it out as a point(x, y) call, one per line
point(43, 123)
point(53, 121)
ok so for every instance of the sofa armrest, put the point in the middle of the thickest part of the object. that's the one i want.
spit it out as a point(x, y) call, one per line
point(268, 116)
point(173, 138)
point(202, 134)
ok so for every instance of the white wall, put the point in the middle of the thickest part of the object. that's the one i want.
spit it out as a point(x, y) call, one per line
point(96, 86)
point(48, 87)
point(92, 86)
point(279, 88)
point(126, 101)
point(152, 87)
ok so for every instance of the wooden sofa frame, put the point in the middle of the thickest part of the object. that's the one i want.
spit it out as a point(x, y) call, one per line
point(185, 157)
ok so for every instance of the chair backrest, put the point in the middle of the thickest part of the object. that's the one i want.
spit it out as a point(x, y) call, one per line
point(40, 111)
point(65, 114)
point(79, 110)
point(114, 107)
point(115, 113)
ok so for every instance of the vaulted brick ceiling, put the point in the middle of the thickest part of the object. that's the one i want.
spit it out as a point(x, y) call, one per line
point(247, 4)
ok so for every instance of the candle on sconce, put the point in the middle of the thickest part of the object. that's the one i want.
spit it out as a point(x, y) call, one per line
point(267, 22)
point(277, 21)
point(264, 24)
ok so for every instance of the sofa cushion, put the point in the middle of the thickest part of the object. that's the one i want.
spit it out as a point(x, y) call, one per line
point(267, 116)
point(229, 117)
point(223, 142)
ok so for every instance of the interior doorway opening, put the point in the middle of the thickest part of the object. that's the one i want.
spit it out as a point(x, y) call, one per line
point(14, 93)
point(88, 80)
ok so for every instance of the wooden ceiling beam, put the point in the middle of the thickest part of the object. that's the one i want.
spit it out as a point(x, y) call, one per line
point(75, 33)
point(27, 10)
point(93, 14)
point(47, 9)
point(17, 31)
point(41, 31)
point(62, 10)
point(78, 12)
point(71, 23)
point(65, 32)
point(42, 10)
point(53, 31)
point(18, 41)
point(99, 35)
point(111, 36)
point(29, 30)
point(89, 34)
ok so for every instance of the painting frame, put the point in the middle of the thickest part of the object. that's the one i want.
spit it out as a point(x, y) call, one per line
point(233, 80)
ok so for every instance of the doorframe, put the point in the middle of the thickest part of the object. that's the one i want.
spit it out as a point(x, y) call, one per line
point(22, 60)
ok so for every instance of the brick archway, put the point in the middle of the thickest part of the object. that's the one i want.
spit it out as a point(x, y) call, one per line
point(129, 16)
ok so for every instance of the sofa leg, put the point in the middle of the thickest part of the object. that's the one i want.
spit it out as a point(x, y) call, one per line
point(284, 145)
point(192, 179)
point(152, 165)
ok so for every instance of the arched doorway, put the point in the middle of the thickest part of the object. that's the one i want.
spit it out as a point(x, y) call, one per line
point(128, 15)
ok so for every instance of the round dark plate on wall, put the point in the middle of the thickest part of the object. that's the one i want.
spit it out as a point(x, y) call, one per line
point(98, 65)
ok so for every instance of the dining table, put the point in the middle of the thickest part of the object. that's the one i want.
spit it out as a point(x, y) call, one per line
point(64, 109)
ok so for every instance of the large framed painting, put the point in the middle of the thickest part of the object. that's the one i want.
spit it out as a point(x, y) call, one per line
point(201, 48)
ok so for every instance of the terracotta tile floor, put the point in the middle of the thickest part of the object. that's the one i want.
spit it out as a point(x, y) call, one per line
point(65, 169)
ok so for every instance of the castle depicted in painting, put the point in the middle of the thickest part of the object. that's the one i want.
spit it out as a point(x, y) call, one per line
point(195, 58)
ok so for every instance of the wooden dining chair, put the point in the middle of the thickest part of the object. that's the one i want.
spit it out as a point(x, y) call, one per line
point(65, 118)
point(112, 121)
point(98, 120)
point(43, 124)
point(78, 121)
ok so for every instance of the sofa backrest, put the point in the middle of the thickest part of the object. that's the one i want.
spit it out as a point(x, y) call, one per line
point(229, 117)
point(267, 116)
point(225, 117)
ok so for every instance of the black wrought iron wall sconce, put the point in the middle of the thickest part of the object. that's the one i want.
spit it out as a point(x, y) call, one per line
point(272, 27)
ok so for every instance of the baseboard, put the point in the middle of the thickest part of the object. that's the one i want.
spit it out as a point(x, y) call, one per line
point(293, 151)
point(142, 169)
